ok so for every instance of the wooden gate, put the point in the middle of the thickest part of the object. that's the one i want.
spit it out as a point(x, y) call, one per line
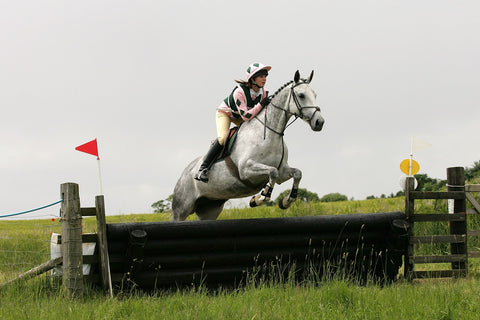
point(457, 195)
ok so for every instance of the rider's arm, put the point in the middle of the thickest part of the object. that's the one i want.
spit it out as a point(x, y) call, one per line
point(245, 113)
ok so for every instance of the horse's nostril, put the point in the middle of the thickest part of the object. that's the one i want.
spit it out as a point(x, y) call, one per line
point(319, 124)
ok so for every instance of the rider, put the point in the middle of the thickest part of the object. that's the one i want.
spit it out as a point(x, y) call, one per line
point(243, 104)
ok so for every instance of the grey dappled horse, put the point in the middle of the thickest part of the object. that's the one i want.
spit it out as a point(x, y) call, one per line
point(258, 158)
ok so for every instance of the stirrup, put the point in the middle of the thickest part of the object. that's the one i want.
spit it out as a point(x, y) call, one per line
point(202, 175)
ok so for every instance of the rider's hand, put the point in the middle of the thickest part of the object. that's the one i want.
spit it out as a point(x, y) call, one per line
point(265, 101)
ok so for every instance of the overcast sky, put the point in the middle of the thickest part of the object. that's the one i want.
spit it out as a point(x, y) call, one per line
point(145, 77)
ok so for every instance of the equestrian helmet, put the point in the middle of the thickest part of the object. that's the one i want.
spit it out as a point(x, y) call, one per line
point(257, 69)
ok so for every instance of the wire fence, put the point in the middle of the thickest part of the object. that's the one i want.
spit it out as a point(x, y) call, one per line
point(29, 211)
point(25, 244)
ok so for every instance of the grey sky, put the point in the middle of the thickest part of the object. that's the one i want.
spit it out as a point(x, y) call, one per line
point(145, 77)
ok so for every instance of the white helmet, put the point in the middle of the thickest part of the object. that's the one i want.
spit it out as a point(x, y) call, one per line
point(255, 68)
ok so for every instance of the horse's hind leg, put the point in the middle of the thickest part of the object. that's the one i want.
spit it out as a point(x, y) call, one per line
point(184, 194)
point(182, 208)
point(209, 209)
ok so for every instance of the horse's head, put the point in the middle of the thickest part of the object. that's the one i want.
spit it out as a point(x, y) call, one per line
point(302, 102)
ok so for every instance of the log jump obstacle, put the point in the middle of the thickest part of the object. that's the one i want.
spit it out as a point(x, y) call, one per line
point(226, 252)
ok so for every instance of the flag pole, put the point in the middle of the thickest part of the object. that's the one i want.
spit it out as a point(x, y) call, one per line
point(99, 175)
point(411, 160)
point(91, 147)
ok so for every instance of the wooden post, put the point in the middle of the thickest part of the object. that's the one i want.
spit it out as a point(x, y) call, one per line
point(105, 275)
point(456, 182)
point(409, 211)
point(71, 240)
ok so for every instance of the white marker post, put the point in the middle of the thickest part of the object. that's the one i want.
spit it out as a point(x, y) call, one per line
point(99, 175)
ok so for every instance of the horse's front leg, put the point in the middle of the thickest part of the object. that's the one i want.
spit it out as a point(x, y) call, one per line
point(286, 173)
point(255, 169)
point(263, 197)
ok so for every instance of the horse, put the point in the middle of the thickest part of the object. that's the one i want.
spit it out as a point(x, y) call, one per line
point(258, 159)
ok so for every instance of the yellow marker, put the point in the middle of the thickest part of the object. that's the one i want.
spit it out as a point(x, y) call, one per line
point(405, 167)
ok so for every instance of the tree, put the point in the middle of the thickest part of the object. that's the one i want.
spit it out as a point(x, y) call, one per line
point(163, 205)
point(425, 183)
point(472, 172)
point(302, 195)
point(333, 197)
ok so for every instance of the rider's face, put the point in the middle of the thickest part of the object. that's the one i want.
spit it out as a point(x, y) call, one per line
point(260, 80)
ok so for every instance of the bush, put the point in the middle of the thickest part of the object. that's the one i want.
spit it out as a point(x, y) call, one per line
point(473, 172)
point(333, 197)
point(302, 195)
point(163, 205)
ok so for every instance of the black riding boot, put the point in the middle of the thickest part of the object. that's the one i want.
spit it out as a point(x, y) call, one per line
point(212, 154)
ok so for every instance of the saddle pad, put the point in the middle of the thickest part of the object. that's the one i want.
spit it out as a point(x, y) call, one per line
point(229, 142)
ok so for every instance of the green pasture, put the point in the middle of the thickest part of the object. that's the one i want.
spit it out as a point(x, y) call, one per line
point(25, 244)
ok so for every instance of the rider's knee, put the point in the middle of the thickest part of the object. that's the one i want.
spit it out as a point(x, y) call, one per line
point(221, 140)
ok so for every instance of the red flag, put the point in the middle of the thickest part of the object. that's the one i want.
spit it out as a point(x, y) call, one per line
point(90, 148)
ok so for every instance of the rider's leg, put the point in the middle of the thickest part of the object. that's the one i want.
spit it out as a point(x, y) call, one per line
point(223, 122)
point(210, 157)
point(223, 125)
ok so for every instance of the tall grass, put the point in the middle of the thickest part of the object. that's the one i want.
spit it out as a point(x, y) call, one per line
point(452, 299)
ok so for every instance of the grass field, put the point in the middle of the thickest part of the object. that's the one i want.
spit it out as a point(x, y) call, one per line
point(449, 299)
point(24, 244)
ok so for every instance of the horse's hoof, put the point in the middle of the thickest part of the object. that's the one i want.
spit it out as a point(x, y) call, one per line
point(253, 204)
point(285, 203)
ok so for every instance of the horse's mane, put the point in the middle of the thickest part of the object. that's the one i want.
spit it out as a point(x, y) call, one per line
point(284, 86)
point(281, 88)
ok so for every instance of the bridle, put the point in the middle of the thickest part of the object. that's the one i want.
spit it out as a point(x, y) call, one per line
point(300, 109)
point(298, 105)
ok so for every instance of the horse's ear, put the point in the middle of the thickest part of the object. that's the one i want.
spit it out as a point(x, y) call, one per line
point(310, 77)
point(297, 76)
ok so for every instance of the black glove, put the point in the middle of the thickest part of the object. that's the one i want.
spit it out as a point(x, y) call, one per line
point(265, 101)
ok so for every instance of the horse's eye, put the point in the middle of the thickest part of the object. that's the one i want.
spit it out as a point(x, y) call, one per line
point(301, 96)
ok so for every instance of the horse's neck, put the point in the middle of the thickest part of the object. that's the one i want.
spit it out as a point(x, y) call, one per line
point(276, 116)
point(270, 123)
